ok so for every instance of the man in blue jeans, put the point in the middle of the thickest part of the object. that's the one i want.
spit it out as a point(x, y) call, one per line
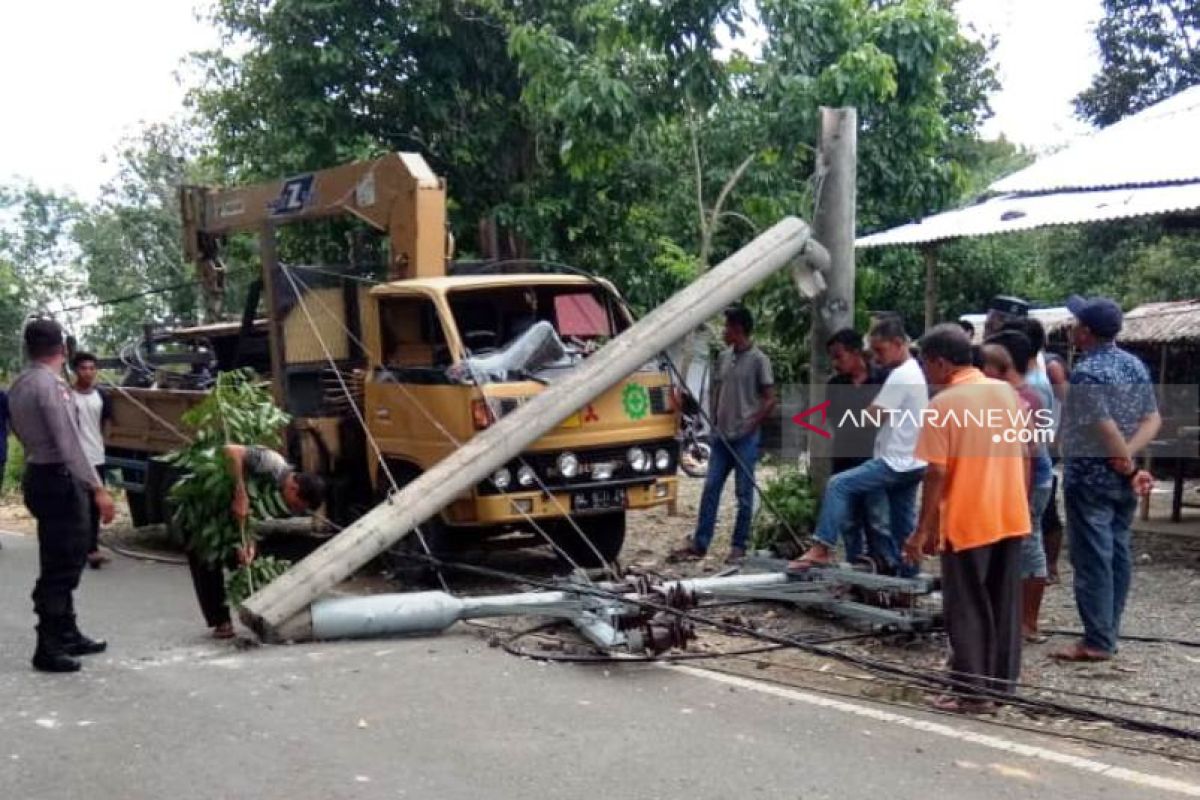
point(1110, 415)
point(743, 395)
point(888, 481)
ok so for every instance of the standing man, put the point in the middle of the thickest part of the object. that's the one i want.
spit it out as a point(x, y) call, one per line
point(1002, 354)
point(743, 395)
point(1111, 414)
point(974, 512)
point(60, 485)
point(1001, 311)
point(852, 389)
point(93, 409)
point(3, 437)
point(889, 480)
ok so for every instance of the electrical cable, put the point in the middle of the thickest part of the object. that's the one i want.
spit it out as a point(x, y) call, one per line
point(938, 682)
point(1129, 637)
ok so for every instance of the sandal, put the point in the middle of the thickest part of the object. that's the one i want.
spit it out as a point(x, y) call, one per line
point(962, 705)
point(688, 552)
point(1080, 653)
point(816, 556)
point(224, 631)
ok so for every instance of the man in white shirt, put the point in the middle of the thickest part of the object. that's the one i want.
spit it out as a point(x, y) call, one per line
point(888, 482)
point(92, 411)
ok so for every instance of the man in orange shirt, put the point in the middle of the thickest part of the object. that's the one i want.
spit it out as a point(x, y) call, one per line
point(974, 512)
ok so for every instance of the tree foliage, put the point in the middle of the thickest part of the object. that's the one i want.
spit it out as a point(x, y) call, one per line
point(130, 240)
point(1149, 50)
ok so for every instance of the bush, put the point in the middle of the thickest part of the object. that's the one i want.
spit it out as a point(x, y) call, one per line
point(789, 510)
point(14, 468)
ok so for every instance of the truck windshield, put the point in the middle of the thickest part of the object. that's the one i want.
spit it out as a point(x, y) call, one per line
point(489, 319)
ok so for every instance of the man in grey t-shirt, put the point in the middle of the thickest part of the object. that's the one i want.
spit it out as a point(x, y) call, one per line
point(743, 395)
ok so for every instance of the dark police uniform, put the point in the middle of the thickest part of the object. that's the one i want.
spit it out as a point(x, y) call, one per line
point(58, 484)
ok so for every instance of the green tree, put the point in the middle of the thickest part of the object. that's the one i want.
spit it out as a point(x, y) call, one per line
point(1149, 50)
point(129, 241)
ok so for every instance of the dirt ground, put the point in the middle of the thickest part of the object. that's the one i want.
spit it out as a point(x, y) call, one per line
point(1163, 603)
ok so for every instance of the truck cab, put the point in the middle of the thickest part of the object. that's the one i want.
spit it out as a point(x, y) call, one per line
point(449, 356)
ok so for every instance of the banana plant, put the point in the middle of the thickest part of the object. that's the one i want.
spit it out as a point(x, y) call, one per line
point(239, 410)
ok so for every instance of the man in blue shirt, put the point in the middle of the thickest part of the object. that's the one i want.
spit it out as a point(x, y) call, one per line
point(1110, 416)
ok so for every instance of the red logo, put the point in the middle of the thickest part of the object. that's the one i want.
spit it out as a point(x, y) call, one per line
point(823, 409)
point(590, 415)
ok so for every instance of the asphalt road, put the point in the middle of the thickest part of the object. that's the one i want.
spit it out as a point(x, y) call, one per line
point(167, 713)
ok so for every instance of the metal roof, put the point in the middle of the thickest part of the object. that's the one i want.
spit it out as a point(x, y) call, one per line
point(1177, 321)
point(1013, 212)
point(1154, 146)
point(1145, 165)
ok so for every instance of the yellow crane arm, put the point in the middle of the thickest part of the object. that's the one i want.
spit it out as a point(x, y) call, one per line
point(398, 194)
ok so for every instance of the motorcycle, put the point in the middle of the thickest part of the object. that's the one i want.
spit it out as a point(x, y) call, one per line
point(694, 447)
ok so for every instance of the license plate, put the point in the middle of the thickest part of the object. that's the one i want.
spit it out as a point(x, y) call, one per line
point(598, 499)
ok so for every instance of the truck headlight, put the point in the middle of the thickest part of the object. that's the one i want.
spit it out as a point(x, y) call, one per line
point(526, 476)
point(568, 465)
point(638, 459)
point(662, 460)
point(502, 479)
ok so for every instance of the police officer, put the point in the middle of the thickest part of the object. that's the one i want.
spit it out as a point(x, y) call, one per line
point(59, 486)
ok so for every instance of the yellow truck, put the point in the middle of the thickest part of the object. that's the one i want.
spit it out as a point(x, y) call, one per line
point(384, 380)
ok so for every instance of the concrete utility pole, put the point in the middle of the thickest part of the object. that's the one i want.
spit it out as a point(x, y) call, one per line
point(833, 226)
point(787, 242)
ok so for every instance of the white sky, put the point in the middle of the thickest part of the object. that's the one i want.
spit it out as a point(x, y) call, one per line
point(76, 75)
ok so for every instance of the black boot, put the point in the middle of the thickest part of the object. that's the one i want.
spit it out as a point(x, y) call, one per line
point(50, 655)
point(76, 643)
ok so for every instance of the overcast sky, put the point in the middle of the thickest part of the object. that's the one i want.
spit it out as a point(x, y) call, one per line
point(77, 75)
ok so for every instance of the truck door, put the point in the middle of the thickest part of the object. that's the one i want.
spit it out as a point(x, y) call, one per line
point(412, 406)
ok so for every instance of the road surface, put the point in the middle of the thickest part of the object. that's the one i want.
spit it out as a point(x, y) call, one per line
point(167, 713)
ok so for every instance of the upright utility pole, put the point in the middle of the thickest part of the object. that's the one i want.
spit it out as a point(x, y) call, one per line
point(833, 226)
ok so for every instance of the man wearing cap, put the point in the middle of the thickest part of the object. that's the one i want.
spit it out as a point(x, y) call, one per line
point(1110, 416)
point(60, 486)
point(1001, 310)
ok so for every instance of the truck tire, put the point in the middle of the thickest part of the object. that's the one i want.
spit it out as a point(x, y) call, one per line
point(606, 532)
point(137, 509)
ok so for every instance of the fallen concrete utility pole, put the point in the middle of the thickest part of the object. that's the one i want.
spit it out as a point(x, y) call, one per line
point(787, 242)
point(624, 622)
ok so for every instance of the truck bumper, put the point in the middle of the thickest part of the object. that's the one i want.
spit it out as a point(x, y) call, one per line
point(516, 507)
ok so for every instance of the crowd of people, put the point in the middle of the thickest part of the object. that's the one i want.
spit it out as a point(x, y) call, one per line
point(946, 447)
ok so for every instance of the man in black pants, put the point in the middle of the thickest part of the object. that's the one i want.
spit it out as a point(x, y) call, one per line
point(57, 484)
point(301, 492)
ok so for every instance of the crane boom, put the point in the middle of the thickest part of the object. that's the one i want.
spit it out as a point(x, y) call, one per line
point(398, 194)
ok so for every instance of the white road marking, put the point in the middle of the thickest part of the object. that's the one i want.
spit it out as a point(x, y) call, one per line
point(927, 726)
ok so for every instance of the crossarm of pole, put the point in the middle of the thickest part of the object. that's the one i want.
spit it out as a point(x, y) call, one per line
point(458, 443)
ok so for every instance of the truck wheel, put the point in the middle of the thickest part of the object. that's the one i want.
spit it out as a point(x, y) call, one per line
point(606, 532)
point(137, 508)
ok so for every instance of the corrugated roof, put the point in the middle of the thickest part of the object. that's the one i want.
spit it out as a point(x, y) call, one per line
point(1147, 164)
point(1012, 213)
point(1157, 323)
point(1154, 146)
